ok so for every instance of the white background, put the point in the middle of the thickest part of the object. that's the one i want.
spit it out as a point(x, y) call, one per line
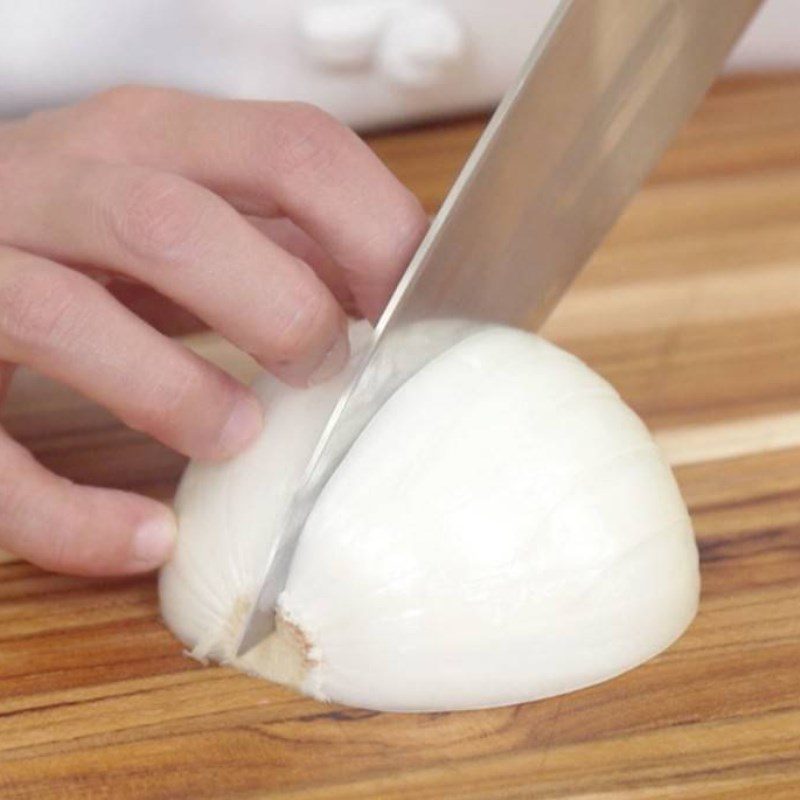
point(53, 51)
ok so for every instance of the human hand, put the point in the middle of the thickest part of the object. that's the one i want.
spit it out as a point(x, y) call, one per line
point(263, 219)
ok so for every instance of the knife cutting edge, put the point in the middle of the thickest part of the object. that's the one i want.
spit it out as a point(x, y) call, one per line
point(607, 86)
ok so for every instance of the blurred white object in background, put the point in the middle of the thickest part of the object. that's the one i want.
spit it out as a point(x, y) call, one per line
point(422, 46)
point(369, 62)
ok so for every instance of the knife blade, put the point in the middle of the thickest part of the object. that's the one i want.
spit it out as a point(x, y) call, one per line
point(607, 86)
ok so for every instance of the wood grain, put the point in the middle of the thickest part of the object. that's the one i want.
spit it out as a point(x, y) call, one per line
point(692, 309)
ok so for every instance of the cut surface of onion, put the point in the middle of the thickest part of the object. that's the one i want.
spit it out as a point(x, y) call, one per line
point(504, 529)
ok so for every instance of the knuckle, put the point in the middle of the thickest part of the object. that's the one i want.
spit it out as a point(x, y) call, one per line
point(389, 249)
point(79, 549)
point(166, 402)
point(75, 548)
point(125, 101)
point(24, 522)
point(306, 139)
point(158, 215)
point(307, 114)
point(104, 125)
point(40, 309)
point(43, 131)
point(308, 319)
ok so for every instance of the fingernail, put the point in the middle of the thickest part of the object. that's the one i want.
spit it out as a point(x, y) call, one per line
point(154, 540)
point(332, 363)
point(244, 424)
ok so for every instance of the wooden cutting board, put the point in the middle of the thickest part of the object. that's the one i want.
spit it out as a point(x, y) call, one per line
point(692, 309)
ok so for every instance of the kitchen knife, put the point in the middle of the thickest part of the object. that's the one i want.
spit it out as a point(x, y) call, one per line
point(604, 91)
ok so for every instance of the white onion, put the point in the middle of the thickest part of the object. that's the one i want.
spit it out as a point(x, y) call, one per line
point(504, 529)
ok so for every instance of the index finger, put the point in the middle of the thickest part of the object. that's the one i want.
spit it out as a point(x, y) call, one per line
point(267, 158)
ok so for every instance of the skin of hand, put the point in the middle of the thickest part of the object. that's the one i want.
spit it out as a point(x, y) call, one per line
point(265, 220)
